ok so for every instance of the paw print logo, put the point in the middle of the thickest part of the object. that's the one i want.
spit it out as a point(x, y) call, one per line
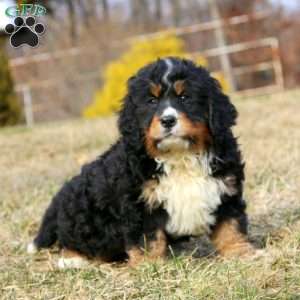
point(24, 32)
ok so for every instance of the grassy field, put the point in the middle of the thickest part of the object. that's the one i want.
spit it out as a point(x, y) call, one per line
point(35, 162)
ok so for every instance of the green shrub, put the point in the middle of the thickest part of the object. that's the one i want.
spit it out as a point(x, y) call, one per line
point(10, 109)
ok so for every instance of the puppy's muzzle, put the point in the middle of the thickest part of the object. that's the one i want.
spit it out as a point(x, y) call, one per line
point(168, 121)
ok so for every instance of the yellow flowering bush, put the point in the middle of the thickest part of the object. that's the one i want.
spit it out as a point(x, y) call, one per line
point(108, 99)
point(223, 82)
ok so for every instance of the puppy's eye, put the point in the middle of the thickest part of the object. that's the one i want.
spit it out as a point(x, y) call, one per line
point(152, 100)
point(183, 97)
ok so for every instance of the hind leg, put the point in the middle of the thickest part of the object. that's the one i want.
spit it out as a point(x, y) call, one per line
point(155, 248)
point(47, 234)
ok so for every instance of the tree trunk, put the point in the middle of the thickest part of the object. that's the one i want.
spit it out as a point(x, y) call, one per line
point(85, 11)
point(140, 12)
point(145, 13)
point(175, 6)
point(72, 19)
point(105, 9)
point(158, 10)
point(221, 43)
point(134, 10)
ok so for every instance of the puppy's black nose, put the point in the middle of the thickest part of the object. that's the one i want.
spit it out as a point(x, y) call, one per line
point(168, 121)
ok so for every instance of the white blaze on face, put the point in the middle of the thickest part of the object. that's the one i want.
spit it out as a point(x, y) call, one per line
point(172, 141)
point(170, 112)
point(169, 64)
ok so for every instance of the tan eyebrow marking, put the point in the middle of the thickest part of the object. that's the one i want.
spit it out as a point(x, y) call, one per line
point(179, 87)
point(155, 89)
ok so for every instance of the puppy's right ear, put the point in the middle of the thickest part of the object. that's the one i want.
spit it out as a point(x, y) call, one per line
point(126, 115)
point(127, 122)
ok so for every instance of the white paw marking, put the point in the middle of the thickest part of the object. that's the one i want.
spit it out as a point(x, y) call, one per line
point(32, 248)
point(72, 262)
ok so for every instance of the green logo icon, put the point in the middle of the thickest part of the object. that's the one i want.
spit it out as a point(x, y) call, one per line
point(25, 10)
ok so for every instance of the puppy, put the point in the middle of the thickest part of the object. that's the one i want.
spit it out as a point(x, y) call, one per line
point(176, 171)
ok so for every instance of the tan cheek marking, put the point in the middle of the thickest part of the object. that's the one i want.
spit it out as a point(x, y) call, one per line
point(179, 87)
point(155, 89)
point(151, 134)
point(155, 127)
point(229, 241)
point(198, 131)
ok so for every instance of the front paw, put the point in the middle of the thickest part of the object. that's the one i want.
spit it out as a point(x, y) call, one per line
point(238, 250)
point(135, 257)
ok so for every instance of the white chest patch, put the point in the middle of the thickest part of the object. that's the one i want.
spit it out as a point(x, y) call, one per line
point(189, 194)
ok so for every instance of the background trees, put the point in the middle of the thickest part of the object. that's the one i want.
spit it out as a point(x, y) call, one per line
point(10, 108)
point(82, 36)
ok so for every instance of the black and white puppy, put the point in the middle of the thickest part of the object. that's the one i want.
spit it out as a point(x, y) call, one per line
point(176, 171)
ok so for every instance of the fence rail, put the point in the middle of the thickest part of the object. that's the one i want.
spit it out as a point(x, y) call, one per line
point(274, 64)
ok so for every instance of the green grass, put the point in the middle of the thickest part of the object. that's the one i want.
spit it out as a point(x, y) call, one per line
point(35, 162)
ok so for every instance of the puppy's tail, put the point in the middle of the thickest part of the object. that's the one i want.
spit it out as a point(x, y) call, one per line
point(47, 234)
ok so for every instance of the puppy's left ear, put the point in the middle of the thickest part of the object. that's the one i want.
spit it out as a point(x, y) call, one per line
point(222, 113)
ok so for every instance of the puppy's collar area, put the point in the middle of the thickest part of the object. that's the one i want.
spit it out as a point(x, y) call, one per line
point(167, 164)
point(187, 192)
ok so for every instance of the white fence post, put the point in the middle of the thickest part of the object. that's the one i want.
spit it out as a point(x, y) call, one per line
point(27, 99)
point(221, 43)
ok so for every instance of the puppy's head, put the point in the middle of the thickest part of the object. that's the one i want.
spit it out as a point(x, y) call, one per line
point(175, 106)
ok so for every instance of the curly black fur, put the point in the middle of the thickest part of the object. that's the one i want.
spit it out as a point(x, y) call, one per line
point(97, 213)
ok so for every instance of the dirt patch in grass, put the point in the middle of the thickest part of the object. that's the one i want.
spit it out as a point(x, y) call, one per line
point(35, 162)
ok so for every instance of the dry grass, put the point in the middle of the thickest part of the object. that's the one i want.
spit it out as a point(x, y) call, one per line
point(35, 162)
